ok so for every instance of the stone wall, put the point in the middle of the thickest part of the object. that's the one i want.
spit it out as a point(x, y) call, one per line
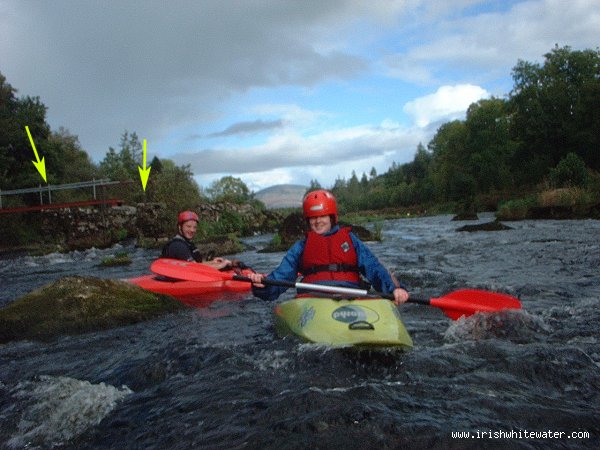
point(86, 227)
point(251, 220)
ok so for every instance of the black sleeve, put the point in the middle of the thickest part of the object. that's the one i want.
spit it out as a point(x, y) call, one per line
point(177, 249)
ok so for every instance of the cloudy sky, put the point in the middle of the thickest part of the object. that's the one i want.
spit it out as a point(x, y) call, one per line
point(275, 91)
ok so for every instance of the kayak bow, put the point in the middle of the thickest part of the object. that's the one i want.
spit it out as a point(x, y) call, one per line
point(372, 322)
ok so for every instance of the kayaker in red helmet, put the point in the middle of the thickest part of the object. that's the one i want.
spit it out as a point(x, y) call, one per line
point(329, 254)
point(182, 247)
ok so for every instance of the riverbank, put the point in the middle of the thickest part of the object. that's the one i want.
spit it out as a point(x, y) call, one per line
point(146, 224)
point(222, 224)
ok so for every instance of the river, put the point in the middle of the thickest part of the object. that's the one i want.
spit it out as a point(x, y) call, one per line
point(220, 378)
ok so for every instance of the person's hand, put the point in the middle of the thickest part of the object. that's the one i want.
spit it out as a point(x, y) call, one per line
point(219, 263)
point(400, 296)
point(257, 279)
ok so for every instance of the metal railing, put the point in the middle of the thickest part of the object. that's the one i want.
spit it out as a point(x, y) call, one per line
point(58, 187)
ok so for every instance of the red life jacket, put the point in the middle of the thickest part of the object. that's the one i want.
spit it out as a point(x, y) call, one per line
point(330, 258)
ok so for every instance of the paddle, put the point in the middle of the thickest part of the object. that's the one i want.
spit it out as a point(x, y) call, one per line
point(186, 270)
point(463, 302)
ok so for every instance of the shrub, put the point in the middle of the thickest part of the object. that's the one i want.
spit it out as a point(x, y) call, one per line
point(569, 172)
point(564, 197)
point(515, 209)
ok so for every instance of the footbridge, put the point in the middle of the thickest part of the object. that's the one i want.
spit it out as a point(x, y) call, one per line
point(46, 192)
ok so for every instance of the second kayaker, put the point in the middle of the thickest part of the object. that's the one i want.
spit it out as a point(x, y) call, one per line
point(329, 254)
point(182, 247)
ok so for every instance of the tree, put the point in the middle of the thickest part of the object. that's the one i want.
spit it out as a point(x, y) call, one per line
point(364, 181)
point(131, 150)
point(123, 165)
point(570, 172)
point(229, 189)
point(489, 144)
point(555, 111)
point(16, 154)
point(174, 186)
point(112, 166)
point(8, 133)
point(450, 158)
point(314, 186)
point(74, 164)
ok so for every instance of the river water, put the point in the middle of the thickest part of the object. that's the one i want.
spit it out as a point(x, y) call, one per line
point(220, 378)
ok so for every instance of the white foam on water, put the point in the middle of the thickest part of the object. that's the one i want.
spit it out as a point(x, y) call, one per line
point(60, 408)
point(271, 360)
point(56, 258)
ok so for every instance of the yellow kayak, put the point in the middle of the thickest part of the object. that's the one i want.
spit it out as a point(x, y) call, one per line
point(342, 322)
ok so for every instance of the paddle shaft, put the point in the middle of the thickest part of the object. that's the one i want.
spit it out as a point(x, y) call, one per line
point(328, 289)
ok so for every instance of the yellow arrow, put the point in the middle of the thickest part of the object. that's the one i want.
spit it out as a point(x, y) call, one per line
point(39, 165)
point(144, 173)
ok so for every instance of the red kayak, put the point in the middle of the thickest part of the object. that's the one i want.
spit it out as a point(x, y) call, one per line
point(198, 293)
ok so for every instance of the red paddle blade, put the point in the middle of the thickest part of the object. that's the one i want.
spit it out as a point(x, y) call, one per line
point(466, 302)
point(186, 270)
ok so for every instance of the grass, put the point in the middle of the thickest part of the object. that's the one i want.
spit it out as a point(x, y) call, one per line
point(578, 201)
point(565, 197)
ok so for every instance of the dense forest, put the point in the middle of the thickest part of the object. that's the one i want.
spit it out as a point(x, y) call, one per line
point(544, 135)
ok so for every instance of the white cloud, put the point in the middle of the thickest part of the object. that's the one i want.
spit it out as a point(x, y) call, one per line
point(483, 46)
point(290, 157)
point(448, 102)
point(260, 180)
point(104, 67)
point(290, 69)
point(292, 114)
point(292, 150)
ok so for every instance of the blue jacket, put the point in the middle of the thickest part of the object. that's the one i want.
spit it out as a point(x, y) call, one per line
point(368, 265)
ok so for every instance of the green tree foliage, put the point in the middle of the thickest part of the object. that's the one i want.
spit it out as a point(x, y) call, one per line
point(76, 164)
point(174, 186)
point(64, 158)
point(489, 146)
point(168, 183)
point(555, 111)
point(570, 172)
point(123, 164)
point(503, 145)
point(229, 189)
point(450, 175)
point(16, 154)
point(314, 185)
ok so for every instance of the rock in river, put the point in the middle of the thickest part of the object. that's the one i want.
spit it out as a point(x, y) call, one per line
point(74, 305)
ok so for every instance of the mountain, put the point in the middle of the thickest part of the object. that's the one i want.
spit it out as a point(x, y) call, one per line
point(282, 196)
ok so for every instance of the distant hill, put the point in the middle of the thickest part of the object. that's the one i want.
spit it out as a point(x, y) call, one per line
point(282, 196)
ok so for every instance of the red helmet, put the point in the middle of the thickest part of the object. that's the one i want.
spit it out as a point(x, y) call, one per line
point(320, 203)
point(187, 215)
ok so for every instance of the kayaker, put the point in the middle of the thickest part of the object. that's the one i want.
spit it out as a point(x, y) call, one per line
point(182, 247)
point(329, 254)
